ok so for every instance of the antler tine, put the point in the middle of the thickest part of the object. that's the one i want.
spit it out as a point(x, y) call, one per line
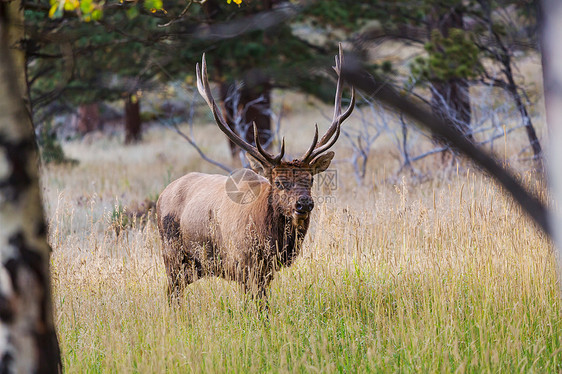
point(338, 117)
point(205, 90)
point(306, 157)
point(271, 159)
point(282, 153)
point(325, 147)
point(329, 139)
point(337, 69)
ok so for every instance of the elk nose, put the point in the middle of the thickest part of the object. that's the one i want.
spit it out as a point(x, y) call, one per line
point(304, 204)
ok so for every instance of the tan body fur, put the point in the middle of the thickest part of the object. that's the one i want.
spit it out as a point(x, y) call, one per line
point(205, 232)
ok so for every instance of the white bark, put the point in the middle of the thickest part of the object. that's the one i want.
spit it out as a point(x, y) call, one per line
point(28, 342)
point(552, 75)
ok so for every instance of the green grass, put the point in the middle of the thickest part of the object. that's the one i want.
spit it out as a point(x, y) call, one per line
point(320, 319)
point(446, 275)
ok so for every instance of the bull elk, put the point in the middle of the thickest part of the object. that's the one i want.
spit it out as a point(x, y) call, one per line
point(208, 232)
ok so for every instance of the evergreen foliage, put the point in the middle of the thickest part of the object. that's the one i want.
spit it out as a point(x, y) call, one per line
point(50, 147)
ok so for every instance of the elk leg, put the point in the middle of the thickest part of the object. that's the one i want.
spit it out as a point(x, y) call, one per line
point(257, 288)
point(181, 267)
point(173, 262)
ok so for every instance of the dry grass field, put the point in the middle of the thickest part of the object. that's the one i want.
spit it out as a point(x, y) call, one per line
point(403, 274)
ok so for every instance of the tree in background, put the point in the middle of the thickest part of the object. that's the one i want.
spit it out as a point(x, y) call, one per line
point(132, 48)
point(245, 85)
point(79, 63)
point(518, 32)
point(452, 60)
point(456, 37)
point(28, 341)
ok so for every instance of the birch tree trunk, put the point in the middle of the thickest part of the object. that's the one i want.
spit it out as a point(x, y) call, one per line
point(28, 342)
point(552, 78)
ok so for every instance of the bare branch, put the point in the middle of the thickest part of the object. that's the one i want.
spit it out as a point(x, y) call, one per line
point(199, 150)
point(360, 78)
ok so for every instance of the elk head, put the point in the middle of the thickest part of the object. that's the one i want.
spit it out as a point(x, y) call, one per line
point(291, 181)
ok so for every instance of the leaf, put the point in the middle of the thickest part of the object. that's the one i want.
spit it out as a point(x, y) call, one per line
point(132, 12)
point(69, 6)
point(56, 9)
point(86, 6)
point(153, 4)
point(53, 10)
point(96, 14)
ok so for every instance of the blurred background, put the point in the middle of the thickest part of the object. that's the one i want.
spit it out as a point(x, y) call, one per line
point(415, 261)
point(122, 69)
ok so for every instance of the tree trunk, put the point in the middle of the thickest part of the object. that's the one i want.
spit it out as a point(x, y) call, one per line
point(88, 118)
point(450, 100)
point(28, 341)
point(529, 128)
point(133, 129)
point(551, 14)
point(253, 101)
point(251, 104)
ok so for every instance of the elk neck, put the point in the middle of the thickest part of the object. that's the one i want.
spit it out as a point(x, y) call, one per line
point(286, 236)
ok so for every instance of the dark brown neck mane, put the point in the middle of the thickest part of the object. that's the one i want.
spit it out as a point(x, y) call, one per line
point(286, 237)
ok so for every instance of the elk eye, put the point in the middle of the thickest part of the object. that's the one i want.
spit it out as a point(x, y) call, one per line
point(282, 184)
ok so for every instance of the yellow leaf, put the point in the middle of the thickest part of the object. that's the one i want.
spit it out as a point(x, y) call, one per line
point(96, 14)
point(53, 9)
point(69, 6)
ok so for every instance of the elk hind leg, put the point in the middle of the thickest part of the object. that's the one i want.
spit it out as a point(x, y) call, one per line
point(182, 269)
point(173, 262)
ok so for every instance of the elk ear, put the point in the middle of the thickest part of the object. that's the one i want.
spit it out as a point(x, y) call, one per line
point(322, 163)
point(256, 165)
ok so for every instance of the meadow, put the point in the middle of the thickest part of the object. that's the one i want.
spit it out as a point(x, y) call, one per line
point(434, 273)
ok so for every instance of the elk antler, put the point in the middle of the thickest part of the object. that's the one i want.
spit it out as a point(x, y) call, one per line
point(329, 139)
point(257, 152)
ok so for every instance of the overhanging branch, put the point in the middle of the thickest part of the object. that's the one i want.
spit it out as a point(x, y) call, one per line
point(358, 77)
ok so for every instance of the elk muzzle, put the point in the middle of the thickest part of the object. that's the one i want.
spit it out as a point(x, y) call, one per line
point(303, 207)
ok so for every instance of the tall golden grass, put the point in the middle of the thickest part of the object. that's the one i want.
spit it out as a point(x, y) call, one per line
point(402, 274)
